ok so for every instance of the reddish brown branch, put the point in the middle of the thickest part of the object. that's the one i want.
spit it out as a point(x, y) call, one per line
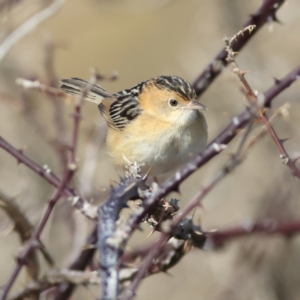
point(64, 290)
point(291, 163)
point(218, 238)
point(60, 140)
point(264, 14)
point(34, 241)
point(70, 168)
point(46, 173)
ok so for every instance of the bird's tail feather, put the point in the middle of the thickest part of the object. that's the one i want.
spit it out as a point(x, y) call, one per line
point(74, 86)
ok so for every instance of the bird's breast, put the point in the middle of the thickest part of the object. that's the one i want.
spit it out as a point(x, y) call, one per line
point(157, 145)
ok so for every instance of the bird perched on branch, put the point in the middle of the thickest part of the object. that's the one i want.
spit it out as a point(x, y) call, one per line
point(157, 123)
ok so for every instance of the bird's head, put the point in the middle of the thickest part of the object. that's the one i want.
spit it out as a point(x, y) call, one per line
point(171, 99)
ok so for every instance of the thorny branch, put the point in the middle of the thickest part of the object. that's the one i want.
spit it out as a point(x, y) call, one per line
point(57, 277)
point(45, 172)
point(217, 238)
point(255, 102)
point(60, 139)
point(34, 241)
point(291, 163)
point(236, 159)
point(216, 146)
point(64, 290)
point(128, 189)
point(22, 226)
point(266, 13)
point(70, 168)
point(28, 26)
point(130, 291)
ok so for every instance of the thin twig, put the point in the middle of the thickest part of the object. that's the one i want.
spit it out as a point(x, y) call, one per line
point(60, 140)
point(266, 13)
point(254, 102)
point(34, 242)
point(70, 168)
point(24, 228)
point(217, 238)
point(89, 210)
point(22, 225)
point(291, 163)
point(55, 278)
point(231, 58)
point(28, 26)
point(64, 290)
point(36, 85)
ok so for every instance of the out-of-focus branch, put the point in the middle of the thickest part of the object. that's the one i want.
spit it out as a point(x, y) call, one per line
point(70, 168)
point(57, 277)
point(45, 172)
point(36, 85)
point(89, 165)
point(24, 228)
point(21, 223)
point(66, 276)
point(8, 4)
point(60, 139)
point(65, 290)
point(28, 26)
point(266, 13)
point(34, 242)
point(217, 239)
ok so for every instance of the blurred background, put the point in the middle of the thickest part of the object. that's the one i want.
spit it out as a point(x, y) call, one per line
point(139, 40)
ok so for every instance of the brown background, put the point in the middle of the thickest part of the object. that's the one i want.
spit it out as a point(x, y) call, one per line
point(139, 40)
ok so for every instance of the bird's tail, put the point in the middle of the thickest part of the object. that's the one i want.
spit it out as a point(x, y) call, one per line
point(74, 86)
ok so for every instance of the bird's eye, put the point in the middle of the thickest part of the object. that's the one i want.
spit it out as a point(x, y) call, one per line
point(173, 102)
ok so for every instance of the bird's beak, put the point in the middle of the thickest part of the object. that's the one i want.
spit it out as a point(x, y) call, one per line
point(193, 104)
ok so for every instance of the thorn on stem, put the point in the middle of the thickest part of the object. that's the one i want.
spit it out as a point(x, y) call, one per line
point(274, 18)
point(176, 189)
point(282, 141)
point(277, 81)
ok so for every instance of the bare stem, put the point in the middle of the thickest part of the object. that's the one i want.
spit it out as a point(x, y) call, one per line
point(266, 13)
point(218, 238)
point(70, 169)
point(28, 26)
point(291, 163)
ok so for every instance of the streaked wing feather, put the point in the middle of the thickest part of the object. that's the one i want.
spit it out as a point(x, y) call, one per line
point(74, 86)
point(119, 112)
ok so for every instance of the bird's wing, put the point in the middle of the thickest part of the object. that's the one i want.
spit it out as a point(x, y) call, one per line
point(74, 86)
point(119, 111)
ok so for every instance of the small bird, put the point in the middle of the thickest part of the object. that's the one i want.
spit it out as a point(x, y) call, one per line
point(157, 123)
